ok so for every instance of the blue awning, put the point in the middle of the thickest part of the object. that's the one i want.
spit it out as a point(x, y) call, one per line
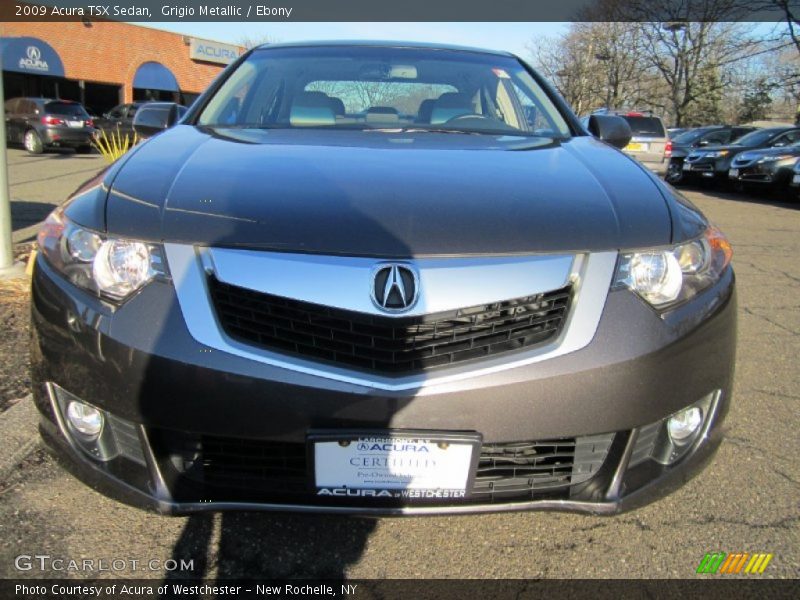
point(30, 55)
point(155, 76)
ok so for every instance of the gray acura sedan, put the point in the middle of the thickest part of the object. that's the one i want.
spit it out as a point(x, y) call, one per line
point(382, 278)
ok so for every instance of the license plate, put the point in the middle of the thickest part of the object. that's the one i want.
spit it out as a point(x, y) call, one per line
point(796, 179)
point(637, 147)
point(396, 464)
point(75, 123)
point(687, 166)
point(733, 173)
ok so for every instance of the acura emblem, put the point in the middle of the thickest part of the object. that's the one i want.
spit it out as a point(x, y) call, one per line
point(33, 53)
point(394, 287)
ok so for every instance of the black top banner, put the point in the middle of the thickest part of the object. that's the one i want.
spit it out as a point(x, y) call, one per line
point(402, 11)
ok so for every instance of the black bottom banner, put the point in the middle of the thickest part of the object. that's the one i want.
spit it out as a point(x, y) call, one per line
point(729, 589)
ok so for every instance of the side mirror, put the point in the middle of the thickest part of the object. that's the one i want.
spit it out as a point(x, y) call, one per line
point(702, 143)
point(778, 144)
point(610, 129)
point(155, 117)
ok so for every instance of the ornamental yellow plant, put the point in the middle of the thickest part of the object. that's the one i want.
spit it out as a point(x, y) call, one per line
point(113, 145)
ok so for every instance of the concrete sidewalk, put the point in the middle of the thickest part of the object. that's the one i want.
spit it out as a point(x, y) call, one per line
point(19, 435)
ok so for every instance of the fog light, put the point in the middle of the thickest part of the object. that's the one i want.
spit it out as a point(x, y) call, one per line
point(85, 419)
point(683, 425)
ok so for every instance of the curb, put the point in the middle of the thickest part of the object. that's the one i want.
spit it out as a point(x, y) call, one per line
point(15, 271)
point(19, 435)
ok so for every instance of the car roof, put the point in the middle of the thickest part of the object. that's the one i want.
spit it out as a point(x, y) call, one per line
point(381, 44)
point(779, 129)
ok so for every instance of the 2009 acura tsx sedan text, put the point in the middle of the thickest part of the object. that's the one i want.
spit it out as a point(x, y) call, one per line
point(382, 278)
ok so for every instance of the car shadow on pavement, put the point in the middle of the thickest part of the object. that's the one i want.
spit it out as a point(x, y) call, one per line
point(777, 198)
point(24, 213)
point(262, 546)
point(51, 153)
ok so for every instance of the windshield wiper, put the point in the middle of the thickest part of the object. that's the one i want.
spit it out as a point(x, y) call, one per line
point(419, 130)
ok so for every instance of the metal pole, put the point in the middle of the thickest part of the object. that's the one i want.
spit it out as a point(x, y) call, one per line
point(6, 248)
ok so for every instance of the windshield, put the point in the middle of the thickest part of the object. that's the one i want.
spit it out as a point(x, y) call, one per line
point(756, 138)
point(384, 88)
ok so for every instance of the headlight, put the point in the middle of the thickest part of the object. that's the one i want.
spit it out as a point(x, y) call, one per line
point(717, 153)
point(668, 276)
point(776, 158)
point(110, 267)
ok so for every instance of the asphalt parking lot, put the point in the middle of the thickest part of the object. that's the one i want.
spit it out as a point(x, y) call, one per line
point(746, 501)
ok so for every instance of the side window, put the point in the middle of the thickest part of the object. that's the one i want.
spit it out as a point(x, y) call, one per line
point(116, 112)
point(781, 140)
point(27, 107)
point(737, 133)
point(717, 137)
point(131, 111)
point(11, 106)
point(792, 137)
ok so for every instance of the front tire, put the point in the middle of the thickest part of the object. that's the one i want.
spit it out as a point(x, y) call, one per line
point(674, 172)
point(32, 142)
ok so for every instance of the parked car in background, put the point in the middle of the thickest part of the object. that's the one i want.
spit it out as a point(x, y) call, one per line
point(154, 117)
point(40, 124)
point(650, 144)
point(769, 168)
point(701, 137)
point(715, 162)
point(795, 182)
point(119, 120)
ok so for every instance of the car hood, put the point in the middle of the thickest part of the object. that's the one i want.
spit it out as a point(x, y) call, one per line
point(755, 154)
point(385, 193)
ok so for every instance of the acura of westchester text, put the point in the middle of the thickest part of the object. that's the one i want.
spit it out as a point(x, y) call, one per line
point(381, 278)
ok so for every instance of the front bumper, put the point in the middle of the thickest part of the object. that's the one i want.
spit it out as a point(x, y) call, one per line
point(167, 386)
point(706, 168)
point(770, 173)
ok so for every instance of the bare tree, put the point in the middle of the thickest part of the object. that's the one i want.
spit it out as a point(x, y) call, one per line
point(593, 65)
point(251, 41)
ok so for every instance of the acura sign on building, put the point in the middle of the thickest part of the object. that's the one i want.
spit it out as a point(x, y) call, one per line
point(209, 51)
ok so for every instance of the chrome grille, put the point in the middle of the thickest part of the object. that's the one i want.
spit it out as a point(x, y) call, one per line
point(392, 345)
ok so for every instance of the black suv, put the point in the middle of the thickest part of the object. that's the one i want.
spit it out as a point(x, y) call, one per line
point(119, 119)
point(42, 123)
point(684, 143)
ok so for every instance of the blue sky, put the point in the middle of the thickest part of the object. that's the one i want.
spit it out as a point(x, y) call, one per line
point(513, 37)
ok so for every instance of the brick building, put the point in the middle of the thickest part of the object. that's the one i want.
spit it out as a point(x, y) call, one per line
point(105, 63)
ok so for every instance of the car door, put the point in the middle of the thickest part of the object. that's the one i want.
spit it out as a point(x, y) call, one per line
point(12, 127)
point(126, 127)
point(112, 119)
point(28, 117)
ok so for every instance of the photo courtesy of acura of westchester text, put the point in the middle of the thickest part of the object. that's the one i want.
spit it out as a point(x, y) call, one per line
point(341, 292)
